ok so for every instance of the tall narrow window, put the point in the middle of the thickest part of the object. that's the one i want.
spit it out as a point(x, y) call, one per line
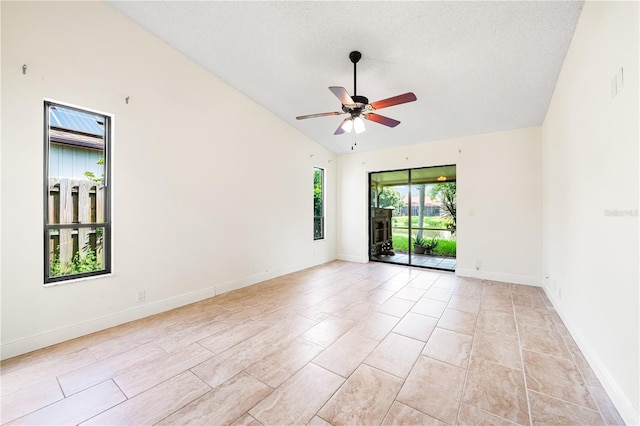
point(77, 222)
point(318, 203)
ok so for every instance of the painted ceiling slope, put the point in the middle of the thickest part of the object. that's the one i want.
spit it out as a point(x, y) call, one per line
point(475, 67)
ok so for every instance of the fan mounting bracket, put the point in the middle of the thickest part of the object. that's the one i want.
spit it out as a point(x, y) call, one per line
point(355, 56)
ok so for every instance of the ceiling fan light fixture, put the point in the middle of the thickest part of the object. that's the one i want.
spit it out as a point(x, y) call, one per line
point(358, 125)
point(347, 125)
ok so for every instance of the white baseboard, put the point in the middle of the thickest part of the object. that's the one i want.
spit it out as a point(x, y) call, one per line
point(42, 340)
point(618, 397)
point(244, 282)
point(264, 276)
point(499, 276)
point(352, 258)
point(471, 273)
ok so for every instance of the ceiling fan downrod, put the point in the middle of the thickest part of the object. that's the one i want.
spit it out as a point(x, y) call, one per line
point(360, 101)
point(355, 57)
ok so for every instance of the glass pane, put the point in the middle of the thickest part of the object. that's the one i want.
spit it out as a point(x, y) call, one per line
point(76, 251)
point(433, 224)
point(318, 203)
point(76, 166)
point(390, 216)
point(318, 227)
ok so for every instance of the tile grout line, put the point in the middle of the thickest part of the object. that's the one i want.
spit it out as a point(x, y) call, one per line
point(258, 402)
point(317, 413)
point(126, 398)
point(565, 402)
point(378, 369)
point(395, 397)
point(404, 380)
point(473, 339)
point(520, 350)
point(573, 359)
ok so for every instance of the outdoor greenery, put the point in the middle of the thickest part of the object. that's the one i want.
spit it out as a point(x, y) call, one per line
point(389, 197)
point(430, 245)
point(317, 192)
point(92, 176)
point(443, 248)
point(419, 241)
point(446, 192)
point(89, 262)
point(427, 222)
point(318, 201)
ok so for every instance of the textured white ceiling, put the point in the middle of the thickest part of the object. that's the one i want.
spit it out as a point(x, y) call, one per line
point(476, 67)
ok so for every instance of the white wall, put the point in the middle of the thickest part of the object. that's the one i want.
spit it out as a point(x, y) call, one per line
point(590, 163)
point(184, 138)
point(211, 191)
point(499, 194)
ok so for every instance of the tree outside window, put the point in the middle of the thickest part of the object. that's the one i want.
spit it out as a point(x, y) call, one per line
point(318, 203)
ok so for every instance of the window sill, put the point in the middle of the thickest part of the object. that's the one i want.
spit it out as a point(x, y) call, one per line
point(78, 280)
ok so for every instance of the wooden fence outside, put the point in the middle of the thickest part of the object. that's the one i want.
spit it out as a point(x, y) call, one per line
point(72, 201)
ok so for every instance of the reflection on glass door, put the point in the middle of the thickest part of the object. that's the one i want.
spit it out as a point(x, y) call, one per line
point(413, 217)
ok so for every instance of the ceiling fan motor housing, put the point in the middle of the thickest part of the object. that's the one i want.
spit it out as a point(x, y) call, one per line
point(360, 103)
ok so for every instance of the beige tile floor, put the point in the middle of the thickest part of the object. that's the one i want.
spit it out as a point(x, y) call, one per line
point(339, 344)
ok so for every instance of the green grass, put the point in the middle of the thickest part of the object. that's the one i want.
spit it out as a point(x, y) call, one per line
point(444, 247)
point(428, 222)
point(400, 242)
point(400, 236)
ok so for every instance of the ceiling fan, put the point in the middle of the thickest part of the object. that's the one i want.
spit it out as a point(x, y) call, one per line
point(358, 107)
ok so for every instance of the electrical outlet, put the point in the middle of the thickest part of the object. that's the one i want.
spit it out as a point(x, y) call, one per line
point(140, 296)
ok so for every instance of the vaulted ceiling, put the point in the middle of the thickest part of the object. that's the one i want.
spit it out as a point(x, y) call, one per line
point(475, 67)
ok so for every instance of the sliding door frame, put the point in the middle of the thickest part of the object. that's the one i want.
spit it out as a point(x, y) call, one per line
point(409, 213)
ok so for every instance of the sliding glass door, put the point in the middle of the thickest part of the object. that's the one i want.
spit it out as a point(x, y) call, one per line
point(413, 217)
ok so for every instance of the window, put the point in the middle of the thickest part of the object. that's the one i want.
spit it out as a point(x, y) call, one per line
point(318, 203)
point(77, 214)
